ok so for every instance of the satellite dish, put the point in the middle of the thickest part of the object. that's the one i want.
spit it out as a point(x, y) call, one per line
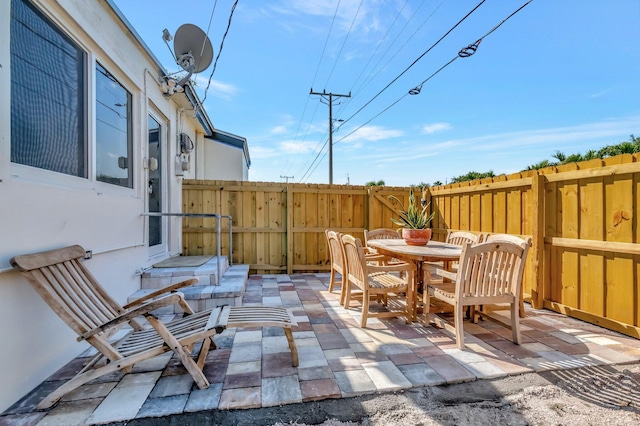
point(193, 50)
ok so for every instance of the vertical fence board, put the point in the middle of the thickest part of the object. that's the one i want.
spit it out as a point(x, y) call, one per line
point(592, 295)
point(619, 272)
point(486, 211)
point(570, 224)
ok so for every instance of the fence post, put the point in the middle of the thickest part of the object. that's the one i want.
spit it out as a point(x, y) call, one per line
point(370, 196)
point(537, 231)
point(289, 235)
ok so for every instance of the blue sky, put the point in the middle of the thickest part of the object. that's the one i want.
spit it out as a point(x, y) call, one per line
point(558, 75)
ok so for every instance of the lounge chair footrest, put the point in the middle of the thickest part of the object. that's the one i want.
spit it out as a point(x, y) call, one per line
point(263, 316)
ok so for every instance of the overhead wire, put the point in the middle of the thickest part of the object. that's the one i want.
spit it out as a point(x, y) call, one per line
point(370, 78)
point(326, 42)
point(315, 75)
point(344, 43)
point(356, 91)
point(215, 63)
point(204, 42)
point(384, 37)
point(416, 60)
point(465, 52)
point(393, 81)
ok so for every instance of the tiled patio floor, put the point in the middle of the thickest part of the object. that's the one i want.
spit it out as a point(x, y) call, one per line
point(252, 367)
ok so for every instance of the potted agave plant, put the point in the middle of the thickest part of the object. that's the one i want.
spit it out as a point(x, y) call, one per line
point(414, 220)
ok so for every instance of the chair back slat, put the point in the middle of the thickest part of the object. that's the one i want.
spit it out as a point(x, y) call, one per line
point(336, 254)
point(68, 287)
point(354, 255)
point(459, 238)
point(491, 269)
point(381, 234)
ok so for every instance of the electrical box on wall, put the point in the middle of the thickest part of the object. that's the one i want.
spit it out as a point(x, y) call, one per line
point(182, 164)
point(178, 166)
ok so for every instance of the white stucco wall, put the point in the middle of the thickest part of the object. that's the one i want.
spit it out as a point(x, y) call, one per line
point(219, 161)
point(41, 210)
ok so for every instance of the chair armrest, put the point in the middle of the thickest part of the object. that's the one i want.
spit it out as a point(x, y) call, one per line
point(375, 256)
point(169, 289)
point(446, 274)
point(396, 267)
point(169, 299)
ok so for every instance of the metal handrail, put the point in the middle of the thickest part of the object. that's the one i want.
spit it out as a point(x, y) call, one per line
point(218, 231)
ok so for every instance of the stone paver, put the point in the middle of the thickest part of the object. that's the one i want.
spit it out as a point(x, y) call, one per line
point(252, 368)
point(280, 390)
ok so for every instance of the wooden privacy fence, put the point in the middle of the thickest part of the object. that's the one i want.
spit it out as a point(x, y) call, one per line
point(279, 228)
point(585, 259)
point(583, 217)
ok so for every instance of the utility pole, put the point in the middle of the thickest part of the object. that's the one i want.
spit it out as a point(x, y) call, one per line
point(286, 178)
point(329, 102)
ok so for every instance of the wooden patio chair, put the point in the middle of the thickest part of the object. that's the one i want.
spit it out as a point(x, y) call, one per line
point(381, 234)
point(373, 281)
point(336, 256)
point(516, 240)
point(68, 287)
point(489, 272)
point(458, 238)
point(338, 261)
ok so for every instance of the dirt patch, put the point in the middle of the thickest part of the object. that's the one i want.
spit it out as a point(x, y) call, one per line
point(597, 396)
point(588, 396)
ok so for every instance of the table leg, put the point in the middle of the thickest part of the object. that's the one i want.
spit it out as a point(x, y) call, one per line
point(418, 282)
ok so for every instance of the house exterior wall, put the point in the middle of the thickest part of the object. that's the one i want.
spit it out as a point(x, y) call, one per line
point(42, 210)
point(220, 161)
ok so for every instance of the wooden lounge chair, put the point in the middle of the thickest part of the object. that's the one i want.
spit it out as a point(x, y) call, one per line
point(489, 272)
point(377, 282)
point(68, 287)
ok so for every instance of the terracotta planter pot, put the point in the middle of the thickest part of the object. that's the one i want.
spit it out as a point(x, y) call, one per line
point(416, 237)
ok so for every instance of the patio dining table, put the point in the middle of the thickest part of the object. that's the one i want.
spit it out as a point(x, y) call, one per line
point(434, 251)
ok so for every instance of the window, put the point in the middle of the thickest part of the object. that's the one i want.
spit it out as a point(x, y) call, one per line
point(48, 122)
point(113, 130)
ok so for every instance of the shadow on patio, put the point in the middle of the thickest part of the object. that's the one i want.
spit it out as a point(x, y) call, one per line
point(252, 367)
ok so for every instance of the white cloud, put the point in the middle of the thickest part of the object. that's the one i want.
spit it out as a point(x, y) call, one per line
point(435, 127)
point(263, 152)
point(298, 147)
point(556, 137)
point(279, 130)
point(372, 133)
point(217, 89)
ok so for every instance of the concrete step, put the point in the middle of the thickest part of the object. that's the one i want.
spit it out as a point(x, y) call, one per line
point(207, 273)
point(229, 291)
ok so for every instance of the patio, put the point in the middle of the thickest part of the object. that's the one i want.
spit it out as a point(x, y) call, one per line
point(252, 367)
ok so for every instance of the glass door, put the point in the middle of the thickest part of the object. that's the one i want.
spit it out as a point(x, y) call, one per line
point(156, 200)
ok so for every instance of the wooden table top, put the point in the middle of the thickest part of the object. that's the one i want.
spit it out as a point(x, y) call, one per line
point(433, 251)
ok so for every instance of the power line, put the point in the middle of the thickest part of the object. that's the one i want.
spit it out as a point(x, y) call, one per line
point(344, 42)
point(315, 75)
point(215, 64)
point(417, 59)
point(363, 85)
point(463, 53)
point(385, 37)
point(325, 44)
